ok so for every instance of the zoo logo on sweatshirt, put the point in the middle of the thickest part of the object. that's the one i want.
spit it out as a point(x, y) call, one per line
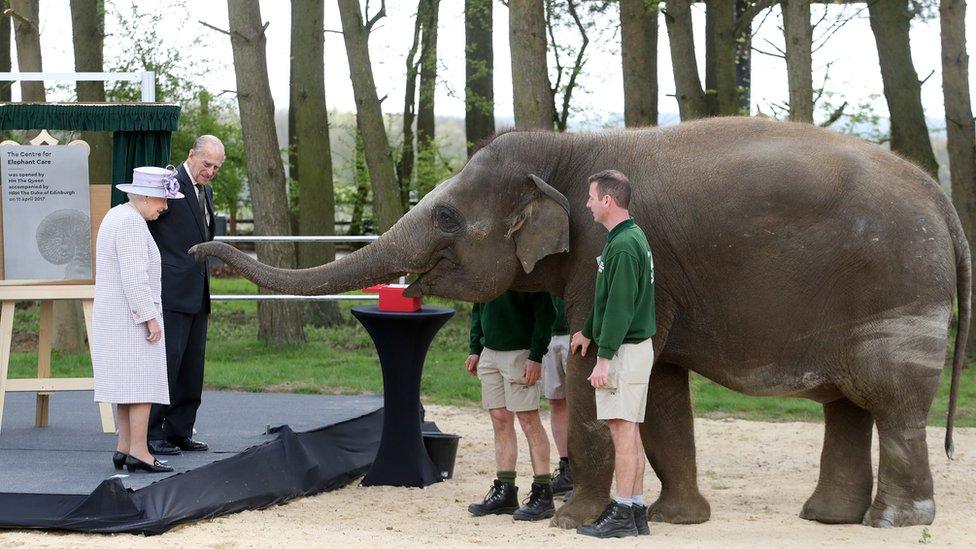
point(650, 260)
point(599, 263)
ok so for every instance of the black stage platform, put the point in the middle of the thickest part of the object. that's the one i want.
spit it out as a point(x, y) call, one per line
point(62, 477)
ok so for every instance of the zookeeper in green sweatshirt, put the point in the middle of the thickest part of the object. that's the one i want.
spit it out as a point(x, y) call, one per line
point(621, 323)
point(509, 336)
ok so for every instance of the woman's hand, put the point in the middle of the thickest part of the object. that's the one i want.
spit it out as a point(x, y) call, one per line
point(155, 330)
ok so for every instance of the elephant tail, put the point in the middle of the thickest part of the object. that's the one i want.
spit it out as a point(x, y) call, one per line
point(964, 290)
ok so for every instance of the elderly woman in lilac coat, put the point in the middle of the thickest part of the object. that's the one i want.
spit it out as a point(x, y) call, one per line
point(128, 348)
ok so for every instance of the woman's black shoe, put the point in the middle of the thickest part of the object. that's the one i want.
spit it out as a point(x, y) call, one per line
point(135, 464)
point(118, 459)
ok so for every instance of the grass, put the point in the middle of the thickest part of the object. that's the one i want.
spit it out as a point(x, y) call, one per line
point(342, 360)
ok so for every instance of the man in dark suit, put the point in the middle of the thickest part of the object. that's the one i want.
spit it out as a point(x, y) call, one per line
point(186, 298)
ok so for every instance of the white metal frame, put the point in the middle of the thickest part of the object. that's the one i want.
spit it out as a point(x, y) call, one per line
point(146, 79)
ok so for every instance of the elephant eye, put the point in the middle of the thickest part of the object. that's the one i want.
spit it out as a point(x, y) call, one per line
point(448, 219)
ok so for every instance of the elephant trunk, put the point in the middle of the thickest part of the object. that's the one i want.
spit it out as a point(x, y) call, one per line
point(381, 261)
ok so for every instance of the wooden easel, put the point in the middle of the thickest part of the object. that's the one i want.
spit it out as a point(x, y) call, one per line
point(47, 292)
point(44, 384)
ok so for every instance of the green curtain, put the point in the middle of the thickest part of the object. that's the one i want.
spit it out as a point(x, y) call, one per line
point(133, 149)
point(142, 131)
point(103, 117)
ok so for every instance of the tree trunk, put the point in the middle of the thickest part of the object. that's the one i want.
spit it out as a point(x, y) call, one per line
point(361, 174)
point(386, 198)
point(426, 148)
point(404, 167)
point(688, 90)
point(28, 37)
point(279, 323)
point(5, 62)
point(720, 58)
point(313, 152)
point(890, 21)
point(961, 139)
point(798, 33)
point(479, 90)
point(743, 59)
point(532, 91)
point(88, 37)
point(638, 46)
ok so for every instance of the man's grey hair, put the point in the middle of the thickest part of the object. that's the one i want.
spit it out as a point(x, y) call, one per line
point(207, 140)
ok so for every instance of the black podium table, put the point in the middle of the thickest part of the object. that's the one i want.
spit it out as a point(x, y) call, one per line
point(401, 341)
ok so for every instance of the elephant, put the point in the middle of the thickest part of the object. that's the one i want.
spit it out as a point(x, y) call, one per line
point(790, 260)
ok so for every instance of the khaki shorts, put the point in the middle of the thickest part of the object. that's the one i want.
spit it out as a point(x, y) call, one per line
point(502, 375)
point(625, 396)
point(554, 368)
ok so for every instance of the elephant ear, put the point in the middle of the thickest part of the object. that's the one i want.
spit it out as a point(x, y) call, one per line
point(540, 223)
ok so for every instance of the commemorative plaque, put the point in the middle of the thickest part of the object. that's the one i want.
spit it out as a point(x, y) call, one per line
point(46, 212)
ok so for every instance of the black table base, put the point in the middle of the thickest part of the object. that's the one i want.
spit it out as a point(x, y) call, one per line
point(402, 340)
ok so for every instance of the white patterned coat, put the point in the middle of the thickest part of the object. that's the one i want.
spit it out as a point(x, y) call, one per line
point(128, 368)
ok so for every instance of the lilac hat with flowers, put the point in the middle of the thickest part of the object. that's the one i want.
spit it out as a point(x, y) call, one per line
point(153, 181)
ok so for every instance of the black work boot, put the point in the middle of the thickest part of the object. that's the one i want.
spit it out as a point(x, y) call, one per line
point(640, 520)
point(501, 499)
point(562, 478)
point(539, 506)
point(617, 521)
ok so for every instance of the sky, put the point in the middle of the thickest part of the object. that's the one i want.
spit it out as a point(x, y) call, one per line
point(848, 57)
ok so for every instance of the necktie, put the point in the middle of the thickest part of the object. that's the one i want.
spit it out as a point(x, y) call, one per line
point(202, 199)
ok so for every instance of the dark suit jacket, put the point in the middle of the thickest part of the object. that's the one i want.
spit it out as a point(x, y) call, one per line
point(186, 283)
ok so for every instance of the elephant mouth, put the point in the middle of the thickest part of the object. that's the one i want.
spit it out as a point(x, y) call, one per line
point(426, 276)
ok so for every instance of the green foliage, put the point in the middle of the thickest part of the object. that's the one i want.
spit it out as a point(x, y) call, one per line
point(860, 119)
point(137, 46)
point(432, 168)
point(215, 116)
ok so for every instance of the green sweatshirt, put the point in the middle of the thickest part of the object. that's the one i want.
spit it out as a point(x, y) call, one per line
point(560, 326)
point(513, 321)
point(623, 311)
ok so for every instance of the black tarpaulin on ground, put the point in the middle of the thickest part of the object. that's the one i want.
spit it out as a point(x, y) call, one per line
point(292, 465)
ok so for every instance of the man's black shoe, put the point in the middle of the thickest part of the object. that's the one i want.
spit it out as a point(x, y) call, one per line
point(640, 520)
point(562, 478)
point(187, 444)
point(163, 448)
point(617, 521)
point(539, 506)
point(501, 499)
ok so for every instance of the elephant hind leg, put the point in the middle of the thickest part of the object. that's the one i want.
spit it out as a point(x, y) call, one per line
point(843, 493)
point(905, 495)
point(668, 434)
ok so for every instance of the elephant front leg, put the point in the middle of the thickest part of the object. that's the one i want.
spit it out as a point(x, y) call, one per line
point(590, 449)
point(668, 434)
point(843, 492)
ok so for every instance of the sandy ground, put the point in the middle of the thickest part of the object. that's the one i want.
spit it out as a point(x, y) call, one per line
point(756, 476)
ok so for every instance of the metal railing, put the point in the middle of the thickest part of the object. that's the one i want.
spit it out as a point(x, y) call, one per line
point(280, 297)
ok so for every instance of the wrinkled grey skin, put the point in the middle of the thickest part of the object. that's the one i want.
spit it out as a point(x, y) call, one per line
point(789, 261)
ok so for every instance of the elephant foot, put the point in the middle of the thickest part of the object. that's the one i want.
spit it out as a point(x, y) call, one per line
point(886, 514)
point(578, 511)
point(690, 508)
point(835, 507)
